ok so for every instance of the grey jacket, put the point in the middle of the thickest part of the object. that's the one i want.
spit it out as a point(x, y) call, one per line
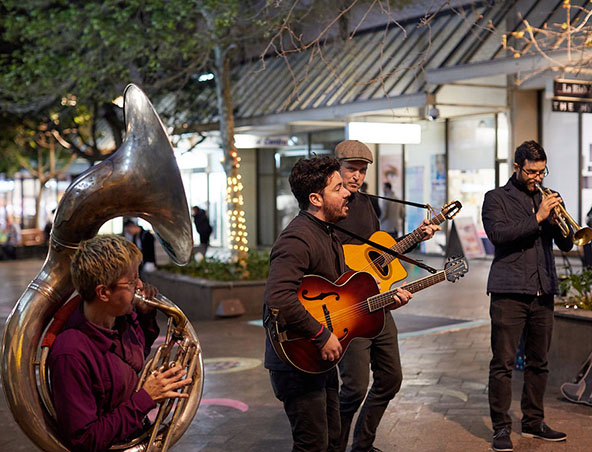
point(523, 261)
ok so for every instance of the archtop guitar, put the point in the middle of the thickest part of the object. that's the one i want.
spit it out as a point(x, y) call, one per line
point(352, 307)
point(384, 266)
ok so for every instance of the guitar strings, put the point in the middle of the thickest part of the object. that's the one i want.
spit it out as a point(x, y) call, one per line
point(381, 260)
point(353, 311)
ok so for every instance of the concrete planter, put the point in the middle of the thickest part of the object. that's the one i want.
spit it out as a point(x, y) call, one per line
point(571, 344)
point(200, 299)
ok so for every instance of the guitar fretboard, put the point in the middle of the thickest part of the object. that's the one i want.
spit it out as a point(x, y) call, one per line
point(411, 239)
point(382, 300)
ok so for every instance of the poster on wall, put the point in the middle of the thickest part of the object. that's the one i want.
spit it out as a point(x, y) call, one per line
point(391, 171)
point(414, 190)
point(438, 179)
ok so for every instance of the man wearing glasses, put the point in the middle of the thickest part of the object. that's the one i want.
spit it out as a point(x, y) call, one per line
point(522, 283)
point(95, 360)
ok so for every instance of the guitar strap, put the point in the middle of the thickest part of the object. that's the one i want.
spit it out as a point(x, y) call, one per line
point(384, 248)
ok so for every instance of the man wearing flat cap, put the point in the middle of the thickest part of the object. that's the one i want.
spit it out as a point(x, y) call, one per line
point(382, 352)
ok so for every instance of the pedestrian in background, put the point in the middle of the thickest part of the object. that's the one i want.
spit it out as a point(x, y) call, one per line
point(392, 213)
point(13, 239)
point(204, 229)
point(144, 240)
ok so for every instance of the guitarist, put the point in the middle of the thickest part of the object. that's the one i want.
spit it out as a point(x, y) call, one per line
point(382, 352)
point(308, 246)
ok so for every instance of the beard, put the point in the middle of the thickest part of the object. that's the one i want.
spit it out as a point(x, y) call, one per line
point(526, 184)
point(333, 214)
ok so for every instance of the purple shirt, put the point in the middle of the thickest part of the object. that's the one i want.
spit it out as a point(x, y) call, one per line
point(94, 374)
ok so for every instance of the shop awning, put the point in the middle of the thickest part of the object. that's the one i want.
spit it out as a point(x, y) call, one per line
point(385, 68)
point(551, 53)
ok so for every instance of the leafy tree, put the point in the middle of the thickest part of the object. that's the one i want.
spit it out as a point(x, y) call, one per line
point(73, 58)
point(38, 147)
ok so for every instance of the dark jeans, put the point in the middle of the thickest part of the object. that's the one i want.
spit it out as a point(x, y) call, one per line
point(510, 315)
point(380, 354)
point(311, 402)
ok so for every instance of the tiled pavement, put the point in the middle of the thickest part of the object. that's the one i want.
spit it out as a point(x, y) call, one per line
point(442, 405)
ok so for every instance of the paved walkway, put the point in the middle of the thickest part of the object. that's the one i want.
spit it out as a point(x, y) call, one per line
point(442, 405)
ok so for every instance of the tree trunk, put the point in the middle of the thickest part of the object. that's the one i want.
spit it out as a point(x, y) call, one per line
point(38, 202)
point(234, 196)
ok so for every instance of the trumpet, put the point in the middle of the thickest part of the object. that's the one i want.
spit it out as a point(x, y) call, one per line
point(566, 223)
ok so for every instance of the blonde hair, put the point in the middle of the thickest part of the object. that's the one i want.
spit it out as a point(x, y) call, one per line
point(102, 260)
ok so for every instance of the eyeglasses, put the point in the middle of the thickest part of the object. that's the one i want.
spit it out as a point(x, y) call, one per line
point(130, 284)
point(533, 174)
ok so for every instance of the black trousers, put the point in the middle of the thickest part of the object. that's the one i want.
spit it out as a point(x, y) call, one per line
point(381, 355)
point(510, 315)
point(311, 402)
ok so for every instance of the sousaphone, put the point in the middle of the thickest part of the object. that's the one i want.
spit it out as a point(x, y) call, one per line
point(140, 179)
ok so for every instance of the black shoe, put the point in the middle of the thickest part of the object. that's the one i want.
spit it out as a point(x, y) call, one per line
point(543, 431)
point(501, 440)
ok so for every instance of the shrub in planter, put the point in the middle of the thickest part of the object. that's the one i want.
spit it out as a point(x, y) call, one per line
point(576, 290)
point(254, 268)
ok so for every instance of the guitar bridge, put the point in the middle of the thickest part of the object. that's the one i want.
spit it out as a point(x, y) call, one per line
point(327, 318)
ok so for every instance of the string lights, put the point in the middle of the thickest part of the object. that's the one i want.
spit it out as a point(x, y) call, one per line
point(235, 201)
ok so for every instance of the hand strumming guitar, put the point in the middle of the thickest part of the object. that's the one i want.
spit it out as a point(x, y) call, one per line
point(332, 349)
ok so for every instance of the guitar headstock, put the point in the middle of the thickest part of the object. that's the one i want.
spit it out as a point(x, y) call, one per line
point(451, 209)
point(456, 268)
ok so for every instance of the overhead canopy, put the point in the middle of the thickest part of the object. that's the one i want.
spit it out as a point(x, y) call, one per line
point(385, 68)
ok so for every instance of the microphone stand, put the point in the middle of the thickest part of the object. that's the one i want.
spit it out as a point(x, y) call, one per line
point(401, 201)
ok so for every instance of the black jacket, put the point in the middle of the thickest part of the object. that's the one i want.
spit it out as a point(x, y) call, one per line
point(523, 262)
point(305, 247)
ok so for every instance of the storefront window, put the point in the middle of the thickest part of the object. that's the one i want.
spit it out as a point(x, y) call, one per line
point(586, 168)
point(320, 143)
point(390, 185)
point(472, 155)
point(425, 180)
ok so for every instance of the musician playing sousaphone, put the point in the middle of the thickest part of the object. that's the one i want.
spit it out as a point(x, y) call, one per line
point(95, 361)
point(308, 246)
point(522, 225)
point(381, 353)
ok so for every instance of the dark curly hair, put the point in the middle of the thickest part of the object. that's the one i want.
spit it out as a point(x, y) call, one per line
point(529, 150)
point(311, 176)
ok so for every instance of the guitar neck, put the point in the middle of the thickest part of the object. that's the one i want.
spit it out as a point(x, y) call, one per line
point(383, 300)
point(412, 238)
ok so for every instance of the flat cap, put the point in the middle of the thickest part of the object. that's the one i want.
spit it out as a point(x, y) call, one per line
point(353, 150)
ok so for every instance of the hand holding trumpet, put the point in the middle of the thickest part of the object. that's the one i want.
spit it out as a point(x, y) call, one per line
point(551, 204)
point(547, 207)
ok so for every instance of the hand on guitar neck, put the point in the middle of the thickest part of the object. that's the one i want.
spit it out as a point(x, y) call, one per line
point(400, 298)
point(382, 265)
point(428, 229)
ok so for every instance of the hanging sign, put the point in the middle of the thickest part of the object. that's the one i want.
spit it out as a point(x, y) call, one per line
point(572, 96)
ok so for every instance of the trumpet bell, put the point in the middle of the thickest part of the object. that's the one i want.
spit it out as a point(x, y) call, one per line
point(582, 236)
